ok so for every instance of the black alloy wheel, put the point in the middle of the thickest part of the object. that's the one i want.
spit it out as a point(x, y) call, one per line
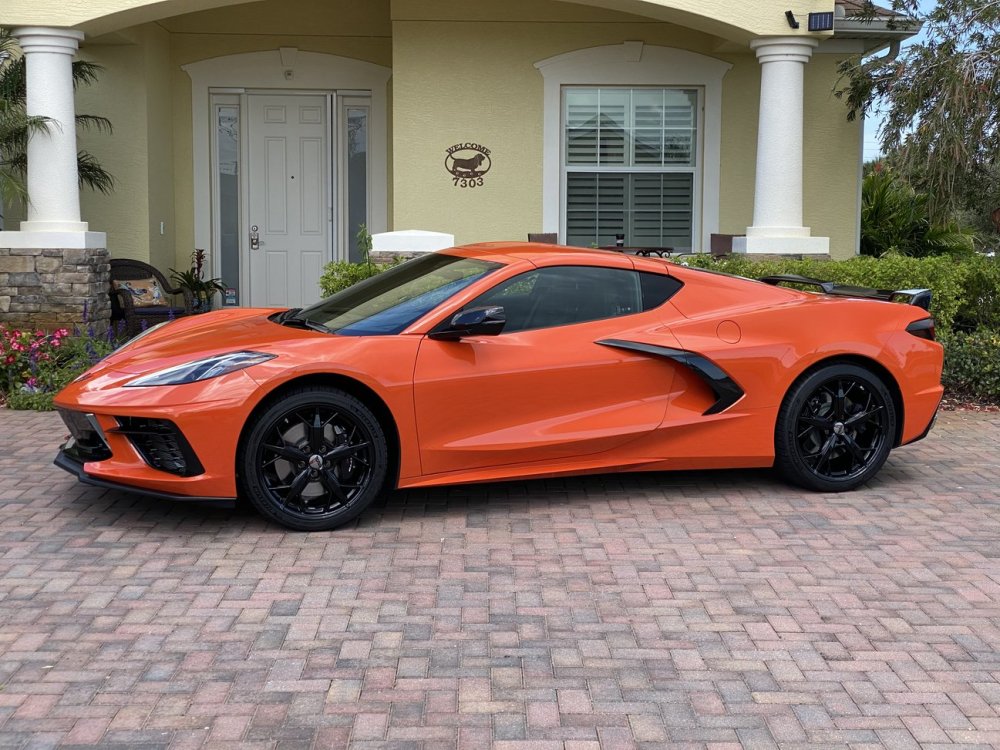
point(835, 428)
point(314, 459)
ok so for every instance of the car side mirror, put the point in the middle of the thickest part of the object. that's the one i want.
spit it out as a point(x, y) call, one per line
point(479, 321)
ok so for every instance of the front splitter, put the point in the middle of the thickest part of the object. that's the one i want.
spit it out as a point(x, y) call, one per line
point(75, 467)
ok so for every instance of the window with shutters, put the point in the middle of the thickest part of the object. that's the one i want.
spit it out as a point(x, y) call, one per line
point(630, 165)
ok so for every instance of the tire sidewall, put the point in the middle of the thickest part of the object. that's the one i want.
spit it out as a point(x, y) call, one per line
point(788, 460)
point(252, 487)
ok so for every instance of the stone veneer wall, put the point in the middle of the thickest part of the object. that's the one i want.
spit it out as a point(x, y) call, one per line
point(48, 288)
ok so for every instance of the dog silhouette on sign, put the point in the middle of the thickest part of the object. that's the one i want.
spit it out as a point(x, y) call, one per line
point(467, 167)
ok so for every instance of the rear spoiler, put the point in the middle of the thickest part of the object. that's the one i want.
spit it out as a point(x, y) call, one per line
point(918, 297)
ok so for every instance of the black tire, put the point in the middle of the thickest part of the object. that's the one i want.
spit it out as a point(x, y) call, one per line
point(835, 428)
point(313, 460)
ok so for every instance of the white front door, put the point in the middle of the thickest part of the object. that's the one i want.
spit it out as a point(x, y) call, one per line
point(288, 188)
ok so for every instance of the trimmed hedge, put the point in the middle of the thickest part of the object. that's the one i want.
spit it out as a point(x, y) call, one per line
point(965, 305)
point(966, 289)
point(972, 364)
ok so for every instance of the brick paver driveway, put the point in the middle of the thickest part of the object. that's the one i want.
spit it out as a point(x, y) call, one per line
point(698, 608)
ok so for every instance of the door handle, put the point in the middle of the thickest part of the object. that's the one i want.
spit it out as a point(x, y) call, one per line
point(254, 238)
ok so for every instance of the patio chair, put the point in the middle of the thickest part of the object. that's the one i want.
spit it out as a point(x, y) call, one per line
point(129, 300)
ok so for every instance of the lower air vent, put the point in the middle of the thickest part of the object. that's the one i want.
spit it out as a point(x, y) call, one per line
point(161, 445)
point(88, 443)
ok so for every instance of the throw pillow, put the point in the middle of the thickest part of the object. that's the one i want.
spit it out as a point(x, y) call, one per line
point(145, 292)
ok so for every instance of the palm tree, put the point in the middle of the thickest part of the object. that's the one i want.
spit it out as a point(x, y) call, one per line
point(16, 126)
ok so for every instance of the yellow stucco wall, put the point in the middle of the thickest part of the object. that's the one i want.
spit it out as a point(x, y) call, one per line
point(727, 19)
point(832, 157)
point(487, 90)
point(462, 71)
point(119, 95)
point(160, 150)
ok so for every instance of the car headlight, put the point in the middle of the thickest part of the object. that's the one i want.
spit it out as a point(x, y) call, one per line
point(202, 369)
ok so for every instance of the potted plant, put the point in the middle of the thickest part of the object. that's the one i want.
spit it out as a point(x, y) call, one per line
point(203, 290)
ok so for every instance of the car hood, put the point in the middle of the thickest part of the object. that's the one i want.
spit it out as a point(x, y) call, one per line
point(198, 336)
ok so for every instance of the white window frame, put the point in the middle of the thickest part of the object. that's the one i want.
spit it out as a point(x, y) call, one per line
point(634, 64)
point(692, 169)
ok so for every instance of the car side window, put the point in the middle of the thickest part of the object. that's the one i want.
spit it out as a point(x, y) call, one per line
point(564, 295)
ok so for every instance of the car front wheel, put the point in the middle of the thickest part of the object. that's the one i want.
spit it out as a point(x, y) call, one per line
point(835, 428)
point(314, 459)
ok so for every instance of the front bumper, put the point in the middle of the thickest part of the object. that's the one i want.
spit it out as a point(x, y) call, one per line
point(67, 461)
point(195, 458)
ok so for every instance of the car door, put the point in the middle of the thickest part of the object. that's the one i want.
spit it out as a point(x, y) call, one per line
point(545, 388)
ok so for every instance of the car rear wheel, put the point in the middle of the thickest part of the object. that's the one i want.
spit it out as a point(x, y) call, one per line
point(835, 428)
point(314, 459)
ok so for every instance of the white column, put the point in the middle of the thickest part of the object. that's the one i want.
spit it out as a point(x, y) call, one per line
point(53, 184)
point(777, 209)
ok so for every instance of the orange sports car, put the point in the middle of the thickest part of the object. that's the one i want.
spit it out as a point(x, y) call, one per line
point(505, 360)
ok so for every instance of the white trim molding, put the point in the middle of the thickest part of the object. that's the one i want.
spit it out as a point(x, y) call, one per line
point(634, 64)
point(285, 70)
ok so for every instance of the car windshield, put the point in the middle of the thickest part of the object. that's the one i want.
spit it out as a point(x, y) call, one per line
point(387, 303)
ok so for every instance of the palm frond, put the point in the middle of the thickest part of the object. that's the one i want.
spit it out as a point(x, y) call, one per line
point(92, 174)
point(85, 72)
point(95, 122)
point(12, 187)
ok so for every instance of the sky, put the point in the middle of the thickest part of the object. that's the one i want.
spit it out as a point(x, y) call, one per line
point(872, 150)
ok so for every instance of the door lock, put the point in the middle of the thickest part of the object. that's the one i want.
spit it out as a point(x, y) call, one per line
point(254, 238)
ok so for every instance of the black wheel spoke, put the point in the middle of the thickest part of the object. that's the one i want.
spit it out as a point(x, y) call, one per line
point(857, 452)
point(343, 451)
point(295, 489)
point(287, 451)
point(838, 401)
point(862, 416)
point(332, 483)
point(826, 450)
point(316, 434)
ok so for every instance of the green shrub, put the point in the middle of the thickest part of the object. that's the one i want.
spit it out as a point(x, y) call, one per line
point(966, 289)
point(895, 218)
point(972, 364)
point(340, 275)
